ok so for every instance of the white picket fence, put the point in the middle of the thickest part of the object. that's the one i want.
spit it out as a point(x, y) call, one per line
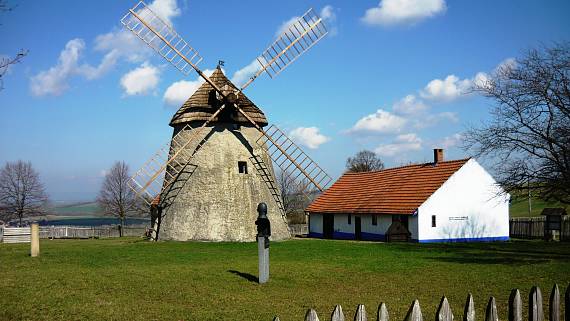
point(444, 313)
point(22, 234)
point(16, 235)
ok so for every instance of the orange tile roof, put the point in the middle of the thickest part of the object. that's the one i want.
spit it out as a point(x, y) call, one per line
point(399, 190)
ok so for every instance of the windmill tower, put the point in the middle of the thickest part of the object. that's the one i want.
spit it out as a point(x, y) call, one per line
point(205, 183)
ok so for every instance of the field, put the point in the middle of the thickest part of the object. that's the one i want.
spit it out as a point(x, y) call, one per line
point(131, 279)
point(519, 206)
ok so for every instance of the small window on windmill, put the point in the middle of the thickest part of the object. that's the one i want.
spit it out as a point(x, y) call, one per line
point(433, 221)
point(242, 167)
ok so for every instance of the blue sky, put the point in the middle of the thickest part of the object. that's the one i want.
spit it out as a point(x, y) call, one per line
point(392, 76)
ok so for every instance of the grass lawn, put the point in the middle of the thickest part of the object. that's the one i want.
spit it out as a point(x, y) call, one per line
point(519, 206)
point(131, 279)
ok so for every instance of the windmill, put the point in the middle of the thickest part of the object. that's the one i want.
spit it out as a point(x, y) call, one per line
point(199, 185)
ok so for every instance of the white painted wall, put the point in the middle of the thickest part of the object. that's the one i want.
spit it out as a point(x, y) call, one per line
point(341, 223)
point(466, 206)
point(316, 223)
point(384, 222)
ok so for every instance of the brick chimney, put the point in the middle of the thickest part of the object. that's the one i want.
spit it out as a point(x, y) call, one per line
point(437, 155)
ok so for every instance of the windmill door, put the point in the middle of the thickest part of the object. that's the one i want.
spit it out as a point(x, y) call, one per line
point(357, 228)
point(328, 226)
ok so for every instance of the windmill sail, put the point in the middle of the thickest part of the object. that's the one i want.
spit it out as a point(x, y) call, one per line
point(299, 37)
point(161, 37)
point(294, 163)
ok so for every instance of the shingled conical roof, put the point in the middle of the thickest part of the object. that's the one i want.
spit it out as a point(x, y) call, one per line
point(203, 103)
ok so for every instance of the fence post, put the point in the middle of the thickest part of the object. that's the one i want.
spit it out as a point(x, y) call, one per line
point(382, 314)
point(34, 240)
point(535, 312)
point(444, 311)
point(515, 306)
point(415, 312)
point(360, 313)
point(554, 304)
point(567, 304)
point(469, 311)
point(337, 314)
point(491, 312)
point(311, 315)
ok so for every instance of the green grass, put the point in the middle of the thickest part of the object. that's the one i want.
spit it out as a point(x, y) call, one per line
point(81, 209)
point(519, 206)
point(131, 279)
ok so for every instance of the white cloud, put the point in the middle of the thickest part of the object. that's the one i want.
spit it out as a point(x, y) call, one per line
point(165, 9)
point(402, 143)
point(178, 92)
point(431, 120)
point(409, 105)
point(118, 44)
point(141, 80)
point(382, 121)
point(241, 76)
point(327, 13)
point(405, 12)
point(54, 81)
point(449, 141)
point(309, 137)
point(447, 89)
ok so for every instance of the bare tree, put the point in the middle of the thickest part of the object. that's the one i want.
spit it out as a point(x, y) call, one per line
point(22, 193)
point(289, 193)
point(6, 62)
point(364, 161)
point(116, 198)
point(529, 134)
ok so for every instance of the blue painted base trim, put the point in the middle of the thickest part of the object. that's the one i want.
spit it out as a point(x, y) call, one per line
point(315, 234)
point(468, 239)
point(343, 236)
point(373, 237)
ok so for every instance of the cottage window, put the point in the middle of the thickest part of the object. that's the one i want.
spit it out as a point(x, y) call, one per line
point(433, 221)
point(349, 219)
point(374, 220)
point(242, 167)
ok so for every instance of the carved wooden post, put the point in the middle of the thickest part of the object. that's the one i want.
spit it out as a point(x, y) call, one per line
point(311, 315)
point(34, 240)
point(491, 313)
point(382, 314)
point(469, 311)
point(337, 314)
point(444, 311)
point(515, 306)
point(554, 304)
point(535, 312)
point(415, 312)
point(360, 313)
point(263, 234)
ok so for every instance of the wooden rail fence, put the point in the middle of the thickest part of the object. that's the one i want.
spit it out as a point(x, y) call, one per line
point(533, 228)
point(444, 313)
point(22, 234)
point(16, 235)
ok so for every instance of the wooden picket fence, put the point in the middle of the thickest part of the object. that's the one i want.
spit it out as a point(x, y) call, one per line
point(533, 228)
point(444, 312)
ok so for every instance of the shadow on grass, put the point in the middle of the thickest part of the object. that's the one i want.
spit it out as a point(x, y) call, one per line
point(247, 276)
point(509, 253)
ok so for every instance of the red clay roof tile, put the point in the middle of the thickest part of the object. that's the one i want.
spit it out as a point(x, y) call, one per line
point(399, 190)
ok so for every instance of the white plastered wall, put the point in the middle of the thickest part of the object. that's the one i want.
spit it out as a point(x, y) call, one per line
point(468, 206)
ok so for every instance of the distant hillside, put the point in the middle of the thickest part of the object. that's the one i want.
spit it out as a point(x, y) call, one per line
point(77, 209)
point(519, 206)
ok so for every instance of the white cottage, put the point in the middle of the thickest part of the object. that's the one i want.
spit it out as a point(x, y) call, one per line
point(443, 201)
